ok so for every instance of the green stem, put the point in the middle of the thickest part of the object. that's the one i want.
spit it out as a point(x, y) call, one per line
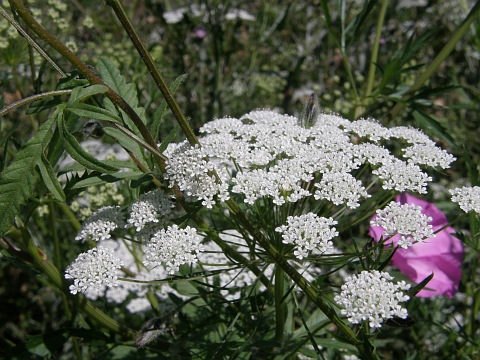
point(438, 60)
point(280, 307)
point(148, 60)
point(376, 46)
point(83, 69)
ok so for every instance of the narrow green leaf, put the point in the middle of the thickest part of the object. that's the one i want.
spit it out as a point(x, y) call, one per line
point(82, 93)
point(17, 181)
point(78, 153)
point(361, 18)
point(162, 108)
point(110, 178)
point(42, 105)
point(50, 179)
point(170, 137)
point(416, 289)
point(426, 121)
point(127, 143)
point(92, 112)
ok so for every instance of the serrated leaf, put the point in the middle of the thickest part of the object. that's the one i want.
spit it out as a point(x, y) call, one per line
point(119, 164)
point(50, 179)
point(82, 93)
point(114, 78)
point(92, 112)
point(18, 180)
point(78, 153)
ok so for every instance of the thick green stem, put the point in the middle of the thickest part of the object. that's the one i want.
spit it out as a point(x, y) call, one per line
point(148, 60)
point(438, 60)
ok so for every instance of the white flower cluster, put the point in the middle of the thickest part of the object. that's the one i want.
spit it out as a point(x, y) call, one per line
point(153, 206)
point(406, 220)
point(95, 269)
point(192, 171)
point(266, 154)
point(340, 188)
point(308, 232)
point(123, 290)
point(468, 198)
point(100, 224)
point(428, 154)
point(173, 247)
point(371, 296)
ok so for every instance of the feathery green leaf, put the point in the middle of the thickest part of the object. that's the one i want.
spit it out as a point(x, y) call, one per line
point(17, 182)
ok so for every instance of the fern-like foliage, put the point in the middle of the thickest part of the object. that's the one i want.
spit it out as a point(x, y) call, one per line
point(17, 182)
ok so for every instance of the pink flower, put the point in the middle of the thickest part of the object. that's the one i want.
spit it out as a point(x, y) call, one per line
point(441, 255)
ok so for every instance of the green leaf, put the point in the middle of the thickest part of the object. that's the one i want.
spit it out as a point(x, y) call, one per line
point(17, 182)
point(78, 153)
point(50, 179)
point(92, 112)
point(112, 76)
point(5, 137)
point(71, 80)
point(120, 164)
point(127, 143)
point(360, 20)
point(426, 121)
point(42, 105)
point(82, 93)
point(110, 178)
point(416, 289)
point(162, 108)
point(170, 137)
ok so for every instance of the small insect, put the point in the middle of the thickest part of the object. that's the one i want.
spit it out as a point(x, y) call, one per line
point(311, 112)
point(94, 129)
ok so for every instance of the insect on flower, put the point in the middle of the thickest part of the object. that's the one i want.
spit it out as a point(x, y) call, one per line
point(310, 113)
